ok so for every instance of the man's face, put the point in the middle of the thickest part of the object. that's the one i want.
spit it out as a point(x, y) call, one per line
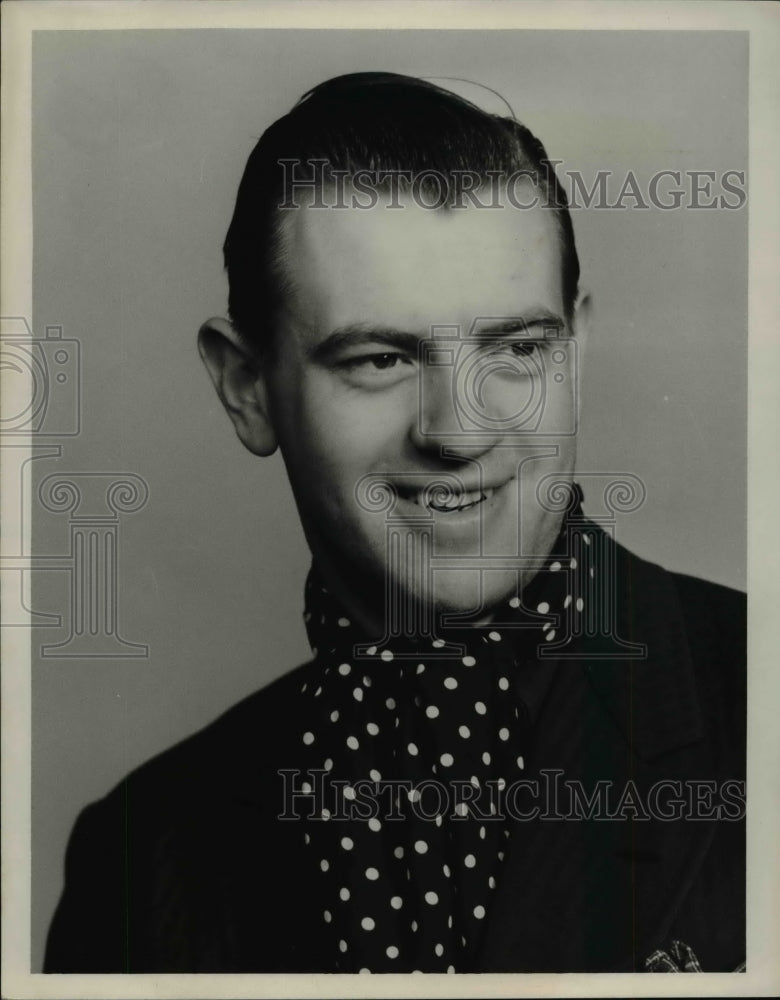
point(358, 405)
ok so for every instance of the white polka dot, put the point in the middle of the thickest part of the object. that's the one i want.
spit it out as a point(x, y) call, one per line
point(567, 601)
point(303, 689)
point(461, 809)
point(586, 538)
point(486, 757)
point(573, 563)
point(447, 759)
point(386, 655)
point(500, 855)
point(334, 716)
point(325, 814)
point(431, 898)
point(318, 692)
point(492, 882)
point(352, 743)
point(550, 635)
point(328, 916)
point(480, 708)
point(390, 703)
point(306, 838)
point(368, 971)
point(374, 774)
point(324, 865)
point(546, 626)
point(591, 572)
point(344, 669)
point(555, 566)
point(446, 870)
point(520, 763)
point(367, 924)
point(308, 739)
point(468, 661)
point(371, 651)
point(514, 602)
point(580, 604)
point(344, 895)
point(344, 622)
point(306, 788)
point(420, 846)
point(503, 683)
point(450, 683)
point(482, 833)
point(464, 731)
point(420, 668)
point(372, 874)
point(450, 968)
point(398, 852)
point(501, 784)
point(432, 711)
point(349, 793)
point(396, 902)
point(328, 763)
point(495, 636)
point(439, 949)
point(347, 843)
point(357, 694)
point(413, 925)
point(412, 748)
point(543, 608)
point(343, 945)
point(437, 643)
point(437, 821)
point(392, 951)
point(374, 824)
point(469, 861)
point(413, 795)
point(503, 733)
point(474, 780)
point(479, 912)
point(372, 728)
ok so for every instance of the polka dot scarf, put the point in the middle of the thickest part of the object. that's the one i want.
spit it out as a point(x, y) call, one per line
point(411, 753)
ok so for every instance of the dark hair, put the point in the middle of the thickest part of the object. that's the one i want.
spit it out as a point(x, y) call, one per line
point(382, 122)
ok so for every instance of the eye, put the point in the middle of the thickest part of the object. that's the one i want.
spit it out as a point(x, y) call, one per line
point(525, 348)
point(382, 362)
point(378, 370)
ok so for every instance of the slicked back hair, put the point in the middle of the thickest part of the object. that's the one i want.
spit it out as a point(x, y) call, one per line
point(385, 123)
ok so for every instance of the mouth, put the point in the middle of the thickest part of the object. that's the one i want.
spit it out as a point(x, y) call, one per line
point(444, 501)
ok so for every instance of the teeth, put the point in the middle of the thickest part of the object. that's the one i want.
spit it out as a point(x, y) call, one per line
point(455, 501)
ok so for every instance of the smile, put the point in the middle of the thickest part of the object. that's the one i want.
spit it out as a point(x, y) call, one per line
point(447, 501)
point(452, 503)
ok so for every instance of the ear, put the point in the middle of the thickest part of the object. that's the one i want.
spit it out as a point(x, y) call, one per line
point(239, 379)
point(581, 319)
point(580, 326)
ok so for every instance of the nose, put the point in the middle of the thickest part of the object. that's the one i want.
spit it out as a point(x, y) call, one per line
point(443, 418)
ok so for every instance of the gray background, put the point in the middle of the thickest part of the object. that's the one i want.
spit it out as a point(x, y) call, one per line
point(139, 141)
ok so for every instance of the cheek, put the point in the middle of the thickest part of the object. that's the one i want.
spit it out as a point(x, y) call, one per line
point(344, 434)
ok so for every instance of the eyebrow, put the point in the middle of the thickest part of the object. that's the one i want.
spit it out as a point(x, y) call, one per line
point(358, 334)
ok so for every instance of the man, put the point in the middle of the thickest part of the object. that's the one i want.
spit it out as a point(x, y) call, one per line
point(517, 747)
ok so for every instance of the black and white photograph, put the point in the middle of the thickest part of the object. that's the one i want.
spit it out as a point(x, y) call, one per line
point(387, 499)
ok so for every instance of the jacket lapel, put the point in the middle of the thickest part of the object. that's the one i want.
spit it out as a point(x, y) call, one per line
point(579, 894)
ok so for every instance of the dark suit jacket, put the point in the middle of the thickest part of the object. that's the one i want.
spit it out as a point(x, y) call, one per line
point(185, 868)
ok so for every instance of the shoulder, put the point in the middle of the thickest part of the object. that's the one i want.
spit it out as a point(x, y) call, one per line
point(238, 747)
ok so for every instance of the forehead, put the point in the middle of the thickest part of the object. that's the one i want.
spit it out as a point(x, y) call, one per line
point(411, 267)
